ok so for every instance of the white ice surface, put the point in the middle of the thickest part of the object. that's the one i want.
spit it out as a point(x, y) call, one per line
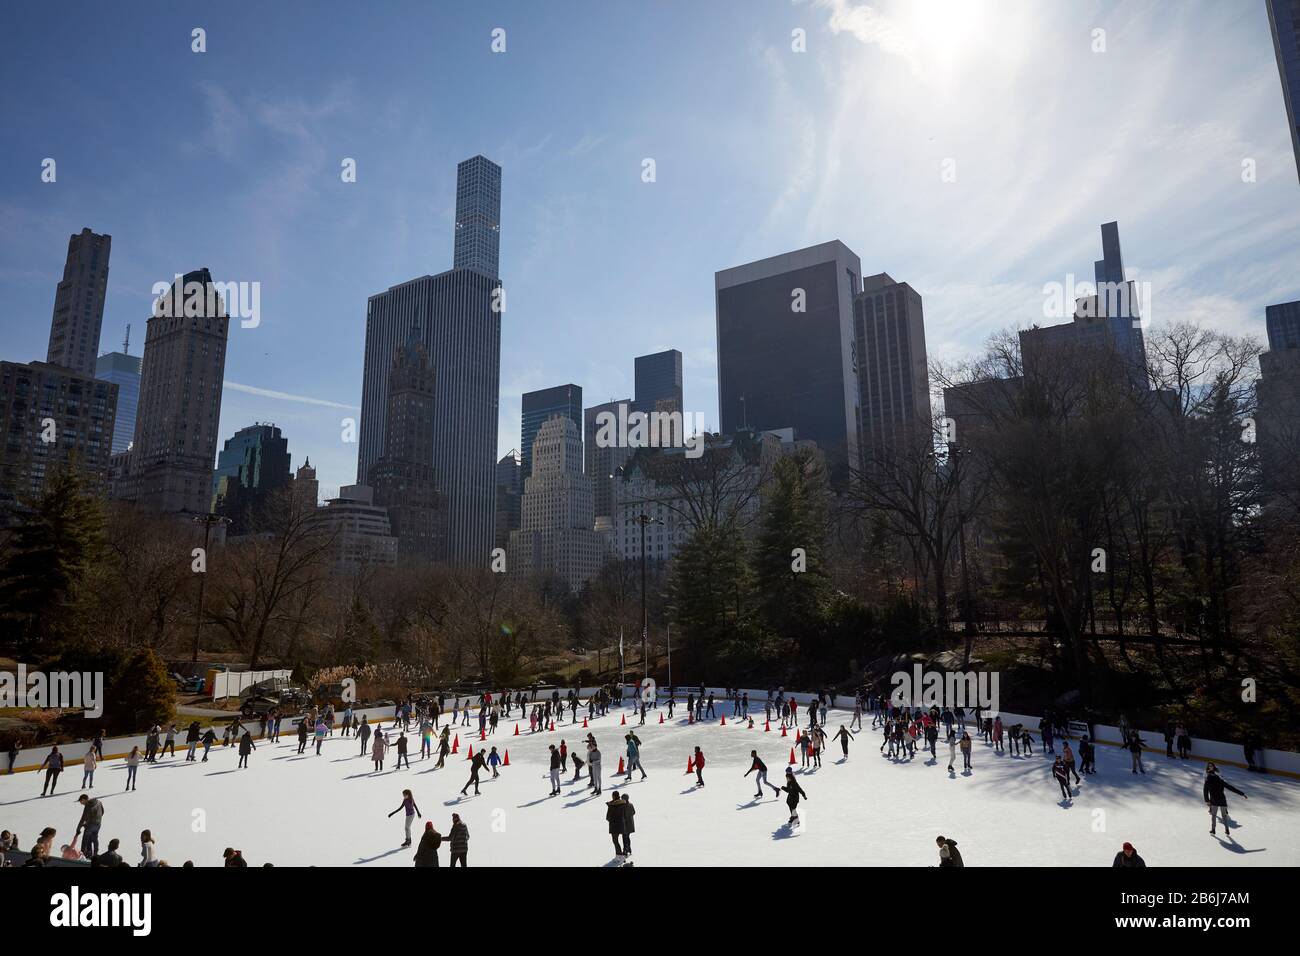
point(330, 810)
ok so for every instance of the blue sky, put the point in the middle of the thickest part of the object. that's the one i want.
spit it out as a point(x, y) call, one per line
point(231, 158)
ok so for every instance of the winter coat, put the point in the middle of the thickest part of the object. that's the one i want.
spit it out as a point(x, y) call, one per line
point(459, 838)
point(377, 750)
point(793, 792)
point(426, 854)
point(615, 816)
point(192, 735)
point(949, 855)
point(246, 745)
point(1129, 862)
point(1213, 790)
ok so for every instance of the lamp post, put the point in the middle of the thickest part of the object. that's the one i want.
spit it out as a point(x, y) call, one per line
point(208, 521)
point(644, 519)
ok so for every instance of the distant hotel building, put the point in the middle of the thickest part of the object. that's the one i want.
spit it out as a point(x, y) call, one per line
point(538, 407)
point(893, 372)
point(786, 348)
point(1284, 19)
point(363, 535)
point(556, 533)
point(1278, 395)
point(602, 462)
point(79, 303)
point(461, 331)
point(169, 466)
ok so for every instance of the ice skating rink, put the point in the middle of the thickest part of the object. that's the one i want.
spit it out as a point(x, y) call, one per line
point(330, 810)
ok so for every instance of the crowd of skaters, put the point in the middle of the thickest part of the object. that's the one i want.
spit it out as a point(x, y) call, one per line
point(903, 730)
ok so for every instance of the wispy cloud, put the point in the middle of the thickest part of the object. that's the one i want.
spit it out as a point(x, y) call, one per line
point(286, 396)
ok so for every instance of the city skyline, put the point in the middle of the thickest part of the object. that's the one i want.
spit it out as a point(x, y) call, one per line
point(582, 248)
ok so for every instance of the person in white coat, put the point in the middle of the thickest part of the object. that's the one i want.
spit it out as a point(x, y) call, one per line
point(88, 770)
point(952, 751)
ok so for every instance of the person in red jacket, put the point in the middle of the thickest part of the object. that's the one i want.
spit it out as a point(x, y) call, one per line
point(699, 767)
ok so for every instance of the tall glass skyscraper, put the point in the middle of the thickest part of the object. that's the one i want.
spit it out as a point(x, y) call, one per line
point(478, 216)
point(537, 407)
point(1283, 324)
point(1284, 19)
point(124, 371)
point(659, 380)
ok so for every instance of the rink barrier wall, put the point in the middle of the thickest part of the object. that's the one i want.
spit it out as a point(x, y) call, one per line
point(1280, 762)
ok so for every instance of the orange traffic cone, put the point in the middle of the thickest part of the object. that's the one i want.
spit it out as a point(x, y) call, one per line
point(552, 727)
point(661, 718)
point(792, 756)
point(724, 720)
point(470, 755)
point(620, 765)
point(584, 723)
point(690, 764)
point(767, 726)
point(482, 735)
point(783, 733)
point(623, 722)
point(690, 718)
point(516, 730)
point(455, 745)
point(506, 762)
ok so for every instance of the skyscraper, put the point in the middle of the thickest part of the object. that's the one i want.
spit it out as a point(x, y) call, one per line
point(1106, 322)
point(893, 374)
point(602, 461)
point(459, 321)
point(1284, 20)
point(123, 370)
point(170, 462)
point(1283, 325)
point(509, 489)
point(79, 303)
point(786, 348)
point(252, 466)
point(556, 533)
point(541, 405)
point(403, 476)
point(478, 216)
point(51, 417)
point(659, 381)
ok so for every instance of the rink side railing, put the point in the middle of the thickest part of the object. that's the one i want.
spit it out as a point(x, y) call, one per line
point(1280, 762)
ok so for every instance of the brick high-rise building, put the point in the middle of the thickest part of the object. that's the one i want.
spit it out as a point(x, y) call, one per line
point(79, 303)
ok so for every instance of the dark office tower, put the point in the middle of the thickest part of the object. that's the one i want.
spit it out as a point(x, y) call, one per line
point(537, 407)
point(403, 477)
point(509, 489)
point(458, 314)
point(170, 462)
point(1284, 19)
point(602, 462)
point(79, 303)
point(1283, 324)
point(252, 467)
point(659, 382)
point(478, 216)
point(893, 375)
point(786, 348)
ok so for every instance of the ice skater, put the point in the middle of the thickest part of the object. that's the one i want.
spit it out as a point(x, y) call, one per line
point(475, 765)
point(844, 735)
point(1216, 799)
point(760, 781)
point(699, 767)
point(792, 794)
point(412, 811)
